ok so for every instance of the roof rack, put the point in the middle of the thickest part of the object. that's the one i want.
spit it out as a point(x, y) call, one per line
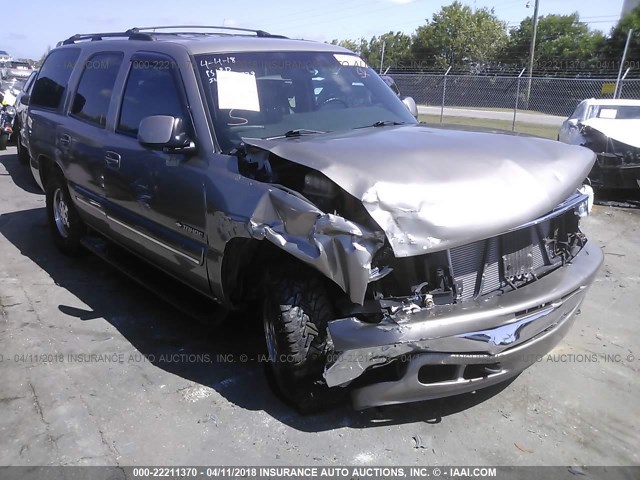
point(259, 33)
point(148, 33)
point(131, 34)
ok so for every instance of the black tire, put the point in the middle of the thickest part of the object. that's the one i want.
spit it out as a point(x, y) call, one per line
point(296, 311)
point(23, 153)
point(4, 139)
point(66, 226)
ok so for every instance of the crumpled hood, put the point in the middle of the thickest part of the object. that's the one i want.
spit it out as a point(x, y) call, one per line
point(431, 189)
point(622, 130)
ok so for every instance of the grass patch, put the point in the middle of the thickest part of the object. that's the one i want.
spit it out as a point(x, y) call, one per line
point(495, 109)
point(544, 131)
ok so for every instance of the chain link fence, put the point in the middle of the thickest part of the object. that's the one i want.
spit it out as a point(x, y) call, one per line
point(517, 99)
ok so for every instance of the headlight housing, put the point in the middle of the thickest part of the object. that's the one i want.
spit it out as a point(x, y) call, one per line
point(584, 208)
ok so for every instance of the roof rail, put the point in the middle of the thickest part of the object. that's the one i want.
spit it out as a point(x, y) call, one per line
point(131, 34)
point(259, 33)
point(147, 33)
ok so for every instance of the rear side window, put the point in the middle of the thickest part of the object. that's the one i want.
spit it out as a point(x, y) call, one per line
point(151, 90)
point(91, 100)
point(53, 78)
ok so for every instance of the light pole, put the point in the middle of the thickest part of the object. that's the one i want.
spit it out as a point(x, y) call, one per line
point(618, 90)
point(532, 48)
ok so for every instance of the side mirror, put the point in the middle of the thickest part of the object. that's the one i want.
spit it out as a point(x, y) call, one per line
point(166, 133)
point(410, 103)
point(25, 99)
point(573, 122)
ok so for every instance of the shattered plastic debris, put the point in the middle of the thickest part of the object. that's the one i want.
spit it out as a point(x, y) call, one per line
point(523, 449)
point(576, 470)
point(195, 393)
point(418, 442)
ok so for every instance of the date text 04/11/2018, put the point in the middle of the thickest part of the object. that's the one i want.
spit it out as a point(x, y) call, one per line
point(314, 472)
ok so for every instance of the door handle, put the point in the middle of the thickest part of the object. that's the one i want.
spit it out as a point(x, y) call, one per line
point(65, 140)
point(112, 159)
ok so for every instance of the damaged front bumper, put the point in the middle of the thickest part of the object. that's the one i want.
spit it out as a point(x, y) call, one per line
point(470, 345)
point(610, 171)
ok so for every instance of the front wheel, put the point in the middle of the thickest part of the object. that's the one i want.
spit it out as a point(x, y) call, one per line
point(296, 312)
point(4, 139)
point(66, 226)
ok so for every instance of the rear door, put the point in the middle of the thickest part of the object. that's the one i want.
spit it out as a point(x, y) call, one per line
point(44, 117)
point(157, 199)
point(85, 134)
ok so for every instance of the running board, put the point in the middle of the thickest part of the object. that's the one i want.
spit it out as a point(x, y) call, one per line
point(172, 291)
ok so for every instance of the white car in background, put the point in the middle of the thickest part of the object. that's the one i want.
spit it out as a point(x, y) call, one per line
point(5, 57)
point(611, 128)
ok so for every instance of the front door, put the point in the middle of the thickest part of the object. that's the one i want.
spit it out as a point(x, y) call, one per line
point(156, 199)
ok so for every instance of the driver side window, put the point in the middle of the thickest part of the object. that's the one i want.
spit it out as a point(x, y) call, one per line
point(151, 89)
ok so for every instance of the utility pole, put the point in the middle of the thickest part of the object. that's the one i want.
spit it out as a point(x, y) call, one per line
point(532, 48)
point(617, 91)
point(384, 44)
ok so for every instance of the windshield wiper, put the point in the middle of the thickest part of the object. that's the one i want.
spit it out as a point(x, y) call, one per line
point(383, 123)
point(299, 132)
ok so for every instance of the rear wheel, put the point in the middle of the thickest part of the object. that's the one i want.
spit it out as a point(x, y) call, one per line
point(66, 226)
point(296, 311)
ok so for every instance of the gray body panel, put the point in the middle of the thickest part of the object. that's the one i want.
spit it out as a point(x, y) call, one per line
point(427, 189)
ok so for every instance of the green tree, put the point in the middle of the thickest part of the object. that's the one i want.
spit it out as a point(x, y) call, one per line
point(352, 45)
point(562, 43)
point(612, 50)
point(397, 49)
point(460, 37)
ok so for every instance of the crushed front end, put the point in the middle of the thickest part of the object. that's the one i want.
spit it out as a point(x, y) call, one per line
point(464, 318)
point(617, 164)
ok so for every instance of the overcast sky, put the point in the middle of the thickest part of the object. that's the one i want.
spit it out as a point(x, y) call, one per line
point(51, 21)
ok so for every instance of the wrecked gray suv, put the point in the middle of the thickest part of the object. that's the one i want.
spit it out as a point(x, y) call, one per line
point(388, 259)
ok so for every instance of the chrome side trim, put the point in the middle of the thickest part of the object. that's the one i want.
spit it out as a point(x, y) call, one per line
point(197, 261)
point(91, 203)
point(95, 205)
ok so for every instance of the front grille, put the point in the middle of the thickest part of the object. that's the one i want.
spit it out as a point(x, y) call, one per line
point(483, 267)
point(486, 267)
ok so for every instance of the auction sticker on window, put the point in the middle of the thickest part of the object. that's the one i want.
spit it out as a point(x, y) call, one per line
point(237, 90)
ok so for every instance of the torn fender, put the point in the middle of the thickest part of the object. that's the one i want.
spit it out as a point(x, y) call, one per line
point(339, 248)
